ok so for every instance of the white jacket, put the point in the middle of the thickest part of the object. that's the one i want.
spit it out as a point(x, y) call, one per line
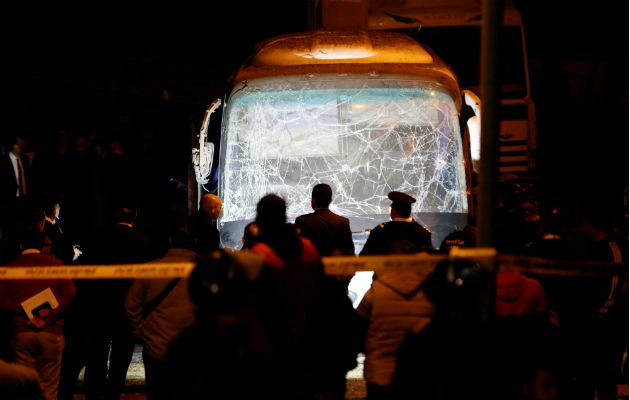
point(394, 305)
point(175, 313)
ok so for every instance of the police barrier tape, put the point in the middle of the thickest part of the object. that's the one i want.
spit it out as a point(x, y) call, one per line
point(119, 271)
point(487, 257)
point(543, 266)
point(338, 266)
point(423, 263)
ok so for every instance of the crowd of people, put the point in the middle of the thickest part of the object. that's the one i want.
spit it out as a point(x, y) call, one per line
point(266, 321)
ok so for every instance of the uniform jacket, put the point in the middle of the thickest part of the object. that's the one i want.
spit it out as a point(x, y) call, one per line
point(394, 306)
point(386, 234)
point(327, 230)
point(175, 313)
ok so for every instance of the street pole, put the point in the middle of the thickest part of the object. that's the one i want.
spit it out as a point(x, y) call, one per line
point(492, 15)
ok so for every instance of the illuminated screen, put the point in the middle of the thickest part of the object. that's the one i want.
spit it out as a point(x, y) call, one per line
point(363, 137)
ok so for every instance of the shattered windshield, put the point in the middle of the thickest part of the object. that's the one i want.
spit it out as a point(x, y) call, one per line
point(285, 137)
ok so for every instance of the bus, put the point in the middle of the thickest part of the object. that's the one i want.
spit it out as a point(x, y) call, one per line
point(452, 28)
point(367, 112)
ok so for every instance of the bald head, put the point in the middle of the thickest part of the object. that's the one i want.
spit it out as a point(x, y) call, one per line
point(212, 205)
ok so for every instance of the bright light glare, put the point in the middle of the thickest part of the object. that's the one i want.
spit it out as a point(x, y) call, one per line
point(337, 53)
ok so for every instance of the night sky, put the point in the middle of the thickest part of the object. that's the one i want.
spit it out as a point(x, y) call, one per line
point(100, 67)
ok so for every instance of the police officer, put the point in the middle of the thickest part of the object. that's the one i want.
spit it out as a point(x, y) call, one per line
point(400, 235)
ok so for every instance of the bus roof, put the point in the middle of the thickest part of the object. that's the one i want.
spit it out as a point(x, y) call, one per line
point(335, 47)
point(335, 52)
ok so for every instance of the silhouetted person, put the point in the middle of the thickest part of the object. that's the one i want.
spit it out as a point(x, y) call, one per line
point(528, 225)
point(466, 237)
point(14, 181)
point(32, 219)
point(524, 334)
point(551, 243)
point(118, 172)
point(158, 310)
point(518, 294)
point(120, 243)
point(62, 247)
point(38, 338)
point(213, 354)
point(79, 188)
point(250, 235)
point(594, 310)
point(402, 227)
point(329, 232)
point(452, 357)
point(307, 314)
point(210, 209)
point(19, 381)
point(16, 378)
point(393, 306)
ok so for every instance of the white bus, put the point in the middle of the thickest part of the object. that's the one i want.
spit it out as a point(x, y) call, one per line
point(452, 28)
point(367, 112)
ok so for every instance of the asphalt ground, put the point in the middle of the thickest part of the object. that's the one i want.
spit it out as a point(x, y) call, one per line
point(355, 385)
point(134, 386)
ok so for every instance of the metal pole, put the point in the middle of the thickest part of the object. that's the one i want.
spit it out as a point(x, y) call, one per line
point(311, 14)
point(492, 14)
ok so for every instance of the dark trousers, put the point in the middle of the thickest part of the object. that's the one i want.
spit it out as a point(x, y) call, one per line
point(330, 387)
point(101, 382)
point(157, 378)
point(597, 365)
point(74, 358)
point(378, 392)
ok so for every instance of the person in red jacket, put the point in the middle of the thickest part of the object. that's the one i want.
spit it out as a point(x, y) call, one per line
point(518, 295)
point(37, 342)
point(305, 314)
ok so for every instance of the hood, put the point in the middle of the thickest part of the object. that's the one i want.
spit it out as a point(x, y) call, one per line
point(509, 286)
point(405, 283)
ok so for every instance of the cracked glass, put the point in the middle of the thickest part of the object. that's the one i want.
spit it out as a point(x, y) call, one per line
point(364, 137)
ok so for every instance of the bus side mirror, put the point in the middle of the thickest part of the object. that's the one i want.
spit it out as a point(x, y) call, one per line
point(202, 156)
point(474, 125)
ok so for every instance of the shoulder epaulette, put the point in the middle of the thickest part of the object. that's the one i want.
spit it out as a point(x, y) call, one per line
point(428, 230)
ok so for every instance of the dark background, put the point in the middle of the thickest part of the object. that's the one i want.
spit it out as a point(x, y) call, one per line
point(578, 59)
point(116, 70)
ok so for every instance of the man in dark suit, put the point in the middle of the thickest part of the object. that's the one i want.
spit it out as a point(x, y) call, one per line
point(400, 235)
point(100, 316)
point(329, 232)
point(62, 247)
point(14, 175)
